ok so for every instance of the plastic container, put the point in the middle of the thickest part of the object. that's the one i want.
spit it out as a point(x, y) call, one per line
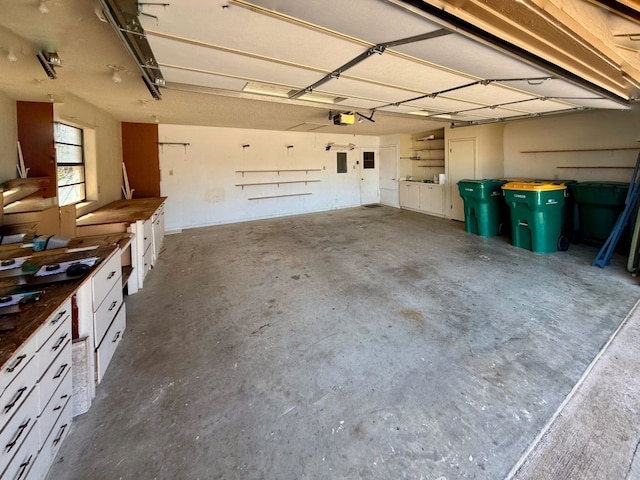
point(598, 204)
point(537, 215)
point(485, 212)
point(569, 219)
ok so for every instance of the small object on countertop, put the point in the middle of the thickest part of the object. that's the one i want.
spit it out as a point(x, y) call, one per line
point(77, 269)
point(7, 262)
point(29, 267)
point(52, 267)
point(6, 298)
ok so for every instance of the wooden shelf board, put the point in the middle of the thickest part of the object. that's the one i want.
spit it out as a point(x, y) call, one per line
point(280, 196)
point(596, 167)
point(275, 183)
point(127, 270)
point(582, 150)
point(281, 170)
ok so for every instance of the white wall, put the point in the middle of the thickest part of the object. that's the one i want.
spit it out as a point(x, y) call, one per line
point(602, 129)
point(200, 180)
point(8, 138)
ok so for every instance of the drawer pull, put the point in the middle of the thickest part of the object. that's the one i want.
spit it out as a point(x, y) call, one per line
point(110, 276)
point(18, 361)
point(61, 370)
point(59, 407)
point(23, 467)
point(59, 437)
point(64, 396)
point(60, 342)
point(21, 429)
point(113, 305)
point(58, 317)
point(19, 394)
point(116, 337)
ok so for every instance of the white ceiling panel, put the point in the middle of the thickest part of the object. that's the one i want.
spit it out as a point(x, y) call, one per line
point(346, 87)
point(464, 55)
point(488, 94)
point(495, 113)
point(600, 103)
point(441, 104)
point(406, 73)
point(202, 79)
point(358, 103)
point(372, 21)
point(242, 29)
point(183, 54)
point(541, 106)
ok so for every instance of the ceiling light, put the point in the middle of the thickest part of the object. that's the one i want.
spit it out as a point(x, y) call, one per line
point(319, 98)
point(43, 7)
point(11, 56)
point(156, 119)
point(270, 90)
point(421, 113)
point(51, 99)
point(116, 73)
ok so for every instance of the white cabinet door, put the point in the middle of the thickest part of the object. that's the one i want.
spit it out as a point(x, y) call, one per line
point(432, 199)
point(410, 195)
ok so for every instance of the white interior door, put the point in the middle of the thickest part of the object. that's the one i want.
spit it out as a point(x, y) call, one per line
point(462, 164)
point(388, 166)
point(369, 187)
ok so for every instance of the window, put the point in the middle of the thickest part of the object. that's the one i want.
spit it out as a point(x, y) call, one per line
point(69, 143)
point(368, 160)
point(342, 162)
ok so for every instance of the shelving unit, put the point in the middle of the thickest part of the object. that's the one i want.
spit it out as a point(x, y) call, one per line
point(275, 183)
point(306, 170)
point(270, 181)
point(429, 151)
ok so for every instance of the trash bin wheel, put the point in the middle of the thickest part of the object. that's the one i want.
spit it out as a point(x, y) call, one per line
point(502, 228)
point(563, 243)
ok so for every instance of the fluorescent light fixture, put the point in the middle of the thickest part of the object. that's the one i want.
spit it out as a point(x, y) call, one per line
point(11, 56)
point(320, 98)
point(43, 7)
point(421, 113)
point(269, 90)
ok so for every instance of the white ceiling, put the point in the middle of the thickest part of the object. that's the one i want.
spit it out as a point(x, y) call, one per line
point(209, 50)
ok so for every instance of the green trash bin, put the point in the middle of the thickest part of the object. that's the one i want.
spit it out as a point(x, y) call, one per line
point(537, 215)
point(569, 216)
point(599, 205)
point(485, 212)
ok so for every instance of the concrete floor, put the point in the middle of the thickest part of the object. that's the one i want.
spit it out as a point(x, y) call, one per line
point(361, 343)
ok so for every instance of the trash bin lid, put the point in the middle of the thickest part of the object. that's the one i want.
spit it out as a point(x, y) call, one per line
point(534, 186)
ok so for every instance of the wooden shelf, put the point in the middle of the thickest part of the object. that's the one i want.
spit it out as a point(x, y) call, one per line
point(275, 183)
point(127, 270)
point(306, 170)
point(598, 167)
point(280, 196)
point(582, 150)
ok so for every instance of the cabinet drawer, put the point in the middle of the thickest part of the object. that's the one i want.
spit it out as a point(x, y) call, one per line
point(54, 376)
point(19, 361)
point(53, 409)
point(17, 429)
point(54, 345)
point(104, 280)
point(147, 233)
point(54, 321)
point(104, 315)
point(24, 458)
point(52, 443)
point(147, 261)
point(112, 339)
point(18, 391)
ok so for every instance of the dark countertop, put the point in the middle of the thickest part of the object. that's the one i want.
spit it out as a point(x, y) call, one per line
point(122, 211)
point(33, 315)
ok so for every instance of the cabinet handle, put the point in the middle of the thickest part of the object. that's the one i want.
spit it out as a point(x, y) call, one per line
point(19, 393)
point(59, 317)
point(23, 467)
point(59, 437)
point(113, 305)
point(64, 396)
point(57, 408)
point(21, 429)
point(61, 371)
point(60, 342)
point(16, 363)
point(115, 339)
point(110, 276)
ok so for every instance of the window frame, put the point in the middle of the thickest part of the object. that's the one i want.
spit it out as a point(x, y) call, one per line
point(82, 164)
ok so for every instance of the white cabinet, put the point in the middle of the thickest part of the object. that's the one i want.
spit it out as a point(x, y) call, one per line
point(432, 199)
point(422, 197)
point(108, 305)
point(410, 195)
point(149, 236)
point(35, 388)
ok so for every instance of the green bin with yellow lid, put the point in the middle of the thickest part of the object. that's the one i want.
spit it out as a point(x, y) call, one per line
point(537, 214)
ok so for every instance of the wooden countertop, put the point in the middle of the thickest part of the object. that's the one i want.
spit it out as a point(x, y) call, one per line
point(33, 315)
point(122, 211)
